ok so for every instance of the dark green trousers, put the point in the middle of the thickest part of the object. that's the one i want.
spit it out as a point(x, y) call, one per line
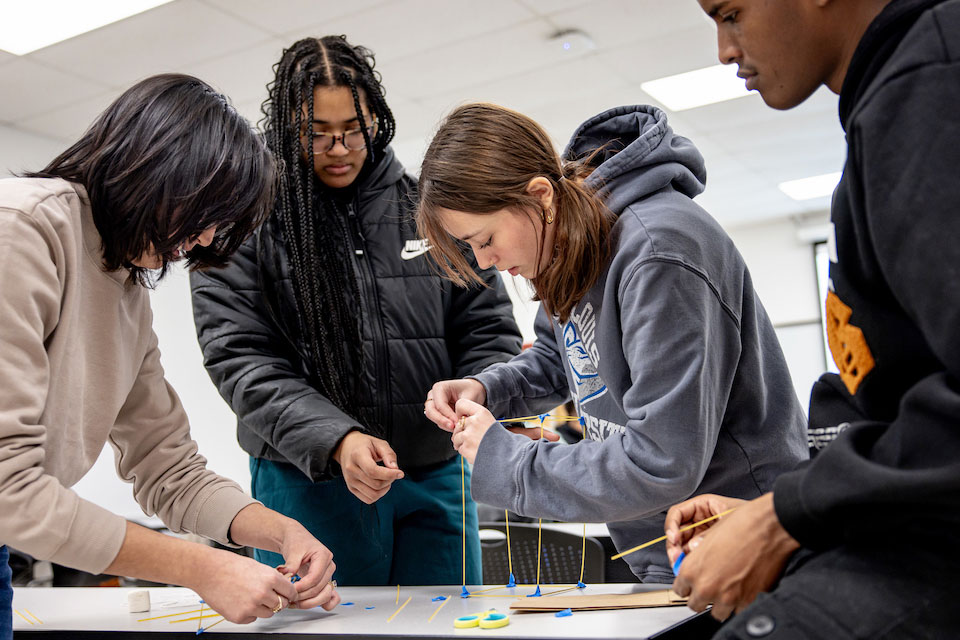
point(410, 536)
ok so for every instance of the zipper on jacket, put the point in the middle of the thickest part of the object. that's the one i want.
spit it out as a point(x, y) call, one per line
point(368, 290)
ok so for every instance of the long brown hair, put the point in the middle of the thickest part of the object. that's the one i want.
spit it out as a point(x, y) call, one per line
point(480, 161)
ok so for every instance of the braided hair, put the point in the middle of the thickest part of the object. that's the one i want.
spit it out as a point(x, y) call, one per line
point(312, 221)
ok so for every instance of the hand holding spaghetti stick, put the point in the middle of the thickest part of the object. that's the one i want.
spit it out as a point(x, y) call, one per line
point(737, 558)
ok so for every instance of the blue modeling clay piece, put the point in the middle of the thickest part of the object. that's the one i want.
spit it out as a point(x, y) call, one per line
point(464, 593)
point(676, 563)
point(346, 604)
point(535, 594)
point(368, 608)
point(580, 585)
point(438, 598)
point(295, 579)
point(200, 630)
point(513, 581)
point(564, 613)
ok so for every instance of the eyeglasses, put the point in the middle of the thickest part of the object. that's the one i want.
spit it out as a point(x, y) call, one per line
point(352, 140)
point(219, 235)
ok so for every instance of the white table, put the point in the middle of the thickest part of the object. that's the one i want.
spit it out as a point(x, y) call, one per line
point(79, 612)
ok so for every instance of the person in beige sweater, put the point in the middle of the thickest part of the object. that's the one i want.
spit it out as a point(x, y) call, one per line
point(169, 171)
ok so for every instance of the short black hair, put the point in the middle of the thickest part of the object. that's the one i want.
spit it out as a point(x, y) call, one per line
point(167, 160)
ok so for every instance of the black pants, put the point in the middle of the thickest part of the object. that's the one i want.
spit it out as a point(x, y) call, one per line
point(879, 593)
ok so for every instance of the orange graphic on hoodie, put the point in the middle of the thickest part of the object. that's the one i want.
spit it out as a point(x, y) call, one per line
point(847, 344)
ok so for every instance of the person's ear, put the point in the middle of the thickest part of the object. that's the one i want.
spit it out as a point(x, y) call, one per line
point(541, 188)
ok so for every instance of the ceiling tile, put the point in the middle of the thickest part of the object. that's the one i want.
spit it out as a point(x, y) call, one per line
point(661, 56)
point(434, 55)
point(242, 75)
point(425, 25)
point(548, 7)
point(31, 88)
point(163, 39)
point(290, 15)
point(541, 87)
point(68, 123)
point(476, 61)
point(612, 23)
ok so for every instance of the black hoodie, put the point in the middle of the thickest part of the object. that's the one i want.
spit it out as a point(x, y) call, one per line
point(893, 309)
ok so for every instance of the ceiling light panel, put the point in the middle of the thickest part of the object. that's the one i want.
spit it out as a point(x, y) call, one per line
point(28, 26)
point(812, 187)
point(697, 88)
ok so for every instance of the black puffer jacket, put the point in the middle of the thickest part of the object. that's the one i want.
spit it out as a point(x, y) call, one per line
point(418, 328)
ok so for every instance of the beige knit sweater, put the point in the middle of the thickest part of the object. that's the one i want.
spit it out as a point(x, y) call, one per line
point(79, 367)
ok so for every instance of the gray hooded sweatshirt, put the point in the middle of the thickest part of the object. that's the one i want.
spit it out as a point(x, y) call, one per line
point(670, 357)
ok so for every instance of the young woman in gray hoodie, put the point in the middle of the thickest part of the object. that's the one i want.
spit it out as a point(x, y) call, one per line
point(649, 321)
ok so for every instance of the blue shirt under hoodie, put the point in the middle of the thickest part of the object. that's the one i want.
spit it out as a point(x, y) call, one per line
point(670, 357)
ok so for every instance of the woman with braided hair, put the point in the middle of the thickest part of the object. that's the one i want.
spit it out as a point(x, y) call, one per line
point(330, 325)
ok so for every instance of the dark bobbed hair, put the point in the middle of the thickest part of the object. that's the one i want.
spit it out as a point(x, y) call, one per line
point(480, 161)
point(312, 219)
point(167, 160)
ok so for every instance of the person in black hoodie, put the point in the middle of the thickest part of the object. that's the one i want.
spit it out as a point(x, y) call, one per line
point(329, 326)
point(860, 541)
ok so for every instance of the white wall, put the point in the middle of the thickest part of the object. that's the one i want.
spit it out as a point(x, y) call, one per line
point(780, 257)
point(21, 151)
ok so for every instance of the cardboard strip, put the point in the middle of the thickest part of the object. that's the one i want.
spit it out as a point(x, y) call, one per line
point(643, 599)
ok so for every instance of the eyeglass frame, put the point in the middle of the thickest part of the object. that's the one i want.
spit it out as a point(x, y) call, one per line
point(342, 137)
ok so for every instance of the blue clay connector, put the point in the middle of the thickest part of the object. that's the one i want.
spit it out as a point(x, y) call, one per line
point(535, 594)
point(464, 593)
point(564, 613)
point(677, 562)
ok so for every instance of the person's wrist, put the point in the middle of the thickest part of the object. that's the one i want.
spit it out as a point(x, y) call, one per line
point(481, 392)
point(782, 540)
point(199, 563)
point(338, 451)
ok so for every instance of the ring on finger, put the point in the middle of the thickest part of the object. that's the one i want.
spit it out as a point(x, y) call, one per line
point(279, 604)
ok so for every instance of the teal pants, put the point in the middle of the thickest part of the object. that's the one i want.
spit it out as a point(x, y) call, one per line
point(410, 536)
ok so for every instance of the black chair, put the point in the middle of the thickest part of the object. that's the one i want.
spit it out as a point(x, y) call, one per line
point(559, 557)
